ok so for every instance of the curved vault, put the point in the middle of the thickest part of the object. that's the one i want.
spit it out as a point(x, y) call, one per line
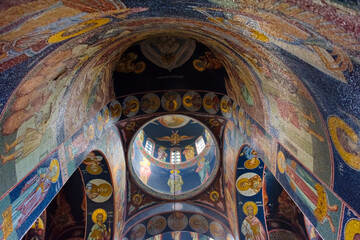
point(286, 66)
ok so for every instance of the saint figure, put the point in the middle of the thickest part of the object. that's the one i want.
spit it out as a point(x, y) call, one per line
point(203, 170)
point(175, 181)
point(251, 226)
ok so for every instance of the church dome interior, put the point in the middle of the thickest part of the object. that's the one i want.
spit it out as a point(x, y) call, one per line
point(174, 156)
point(171, 120)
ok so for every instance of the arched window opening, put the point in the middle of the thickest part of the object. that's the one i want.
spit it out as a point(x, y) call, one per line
point(175, 156)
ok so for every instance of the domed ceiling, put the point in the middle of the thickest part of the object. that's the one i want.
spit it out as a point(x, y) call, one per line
point(174, 157)
point(275, 83)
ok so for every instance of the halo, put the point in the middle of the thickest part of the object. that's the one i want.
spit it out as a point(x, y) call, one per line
point(249, 166)
point(108, 189)
point(55, 163)
point(136, 108)
point(212, 195)
point(242, 180)
point(40, 224)
point(185, 103)
point(175, 170)
point(205, 102)
point(281, 161)
point(96, 212)
point(145, 162)
point(224, 105)
point(115, 109)
point(94, 169)
point(135, 197)
point(352, 227)
point(253, 205)
point(171, 108)
point(335, 123)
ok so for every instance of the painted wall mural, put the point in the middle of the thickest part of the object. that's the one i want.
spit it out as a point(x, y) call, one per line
point(249, 197)
point(179, 221)
point(100, 197)
point(291, 71)
point(231, 149)
point(283, 217)
point(320, 205)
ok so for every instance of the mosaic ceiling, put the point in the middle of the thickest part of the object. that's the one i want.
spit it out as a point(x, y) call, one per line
point(272, 87)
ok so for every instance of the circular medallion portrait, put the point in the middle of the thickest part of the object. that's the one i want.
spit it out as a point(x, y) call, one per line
point(131, 106)
point(115, 110)
point(192, 101)
point(217, 231)
point(98, 190)
point(226, 106)
point(177, 221)
point(252, 163)
point(138, 232)
point(150, 103)
point(211, 103)
point(199, 223)
point(171, 101)
point(249, 184)
point(156, 225)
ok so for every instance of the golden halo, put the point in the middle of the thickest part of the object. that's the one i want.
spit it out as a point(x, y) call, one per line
point(187, 104)
point(130, 126)
point(206, 100)
point(352, 159)
point(214, 122)
point(139, 67)
point(55, 163)
point(352, 227)
point(40, 224)
point(252, 204)
point(281, 161)
point(82, 28)
point(136, 108)
point(171, 108)
point(106, 116)
point(242, 188)
point(98, 211)
point(199, 65)
point(107, 187)
point(139, 197)
point(175, 170)
point(94, 169)
point(224, 105)
point(145, 162)
point(248, 164)
point(212, 196)
point(115, 110)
